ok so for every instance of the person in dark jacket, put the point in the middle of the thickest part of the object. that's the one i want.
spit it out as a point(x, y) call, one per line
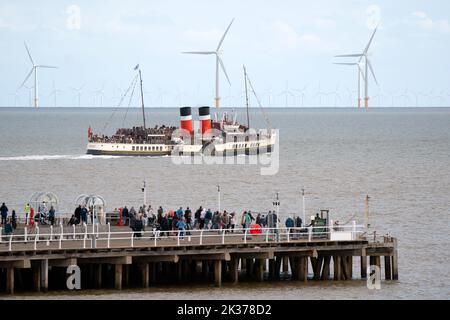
point(51, 215)
point(298, 222)
point(14, 219)
point(77, 214)
point(165, 225)
point(197, 217)
point(4, 212)
point(125, 215)
point(138, 226)
point(84, 214)
point(73, 221)
point(160, 215)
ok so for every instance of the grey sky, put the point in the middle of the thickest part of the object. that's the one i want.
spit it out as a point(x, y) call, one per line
point(282, 43)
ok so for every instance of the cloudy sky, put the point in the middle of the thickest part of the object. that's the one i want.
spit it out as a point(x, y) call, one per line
point(284, 44)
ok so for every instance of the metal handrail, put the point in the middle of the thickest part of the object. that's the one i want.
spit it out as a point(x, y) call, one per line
point(242, 234)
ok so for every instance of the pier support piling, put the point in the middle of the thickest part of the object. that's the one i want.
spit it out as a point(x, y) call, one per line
point(337, 266)
point(234, 270)
point(394, 261)
point(387, 268)
point(326, 268)
point(218, 273)
point(285, 265)
point(145, 274)
point(317, 267)
point(277, 267)
point(10, 280)
point(118, 277)
point(98, 276)
point(259, 266)
point(37, 276)
point(44, 275)
point(363, 267)
point(272, 269)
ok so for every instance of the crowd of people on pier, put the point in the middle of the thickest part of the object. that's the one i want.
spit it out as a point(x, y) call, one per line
point(44, 216)
point(165, 222)
point(137, 135)
point(184, 220)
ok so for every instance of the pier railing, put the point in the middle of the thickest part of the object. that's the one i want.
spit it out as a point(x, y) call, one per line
point(102, 237)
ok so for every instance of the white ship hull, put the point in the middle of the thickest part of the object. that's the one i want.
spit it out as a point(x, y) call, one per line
point(262, 145)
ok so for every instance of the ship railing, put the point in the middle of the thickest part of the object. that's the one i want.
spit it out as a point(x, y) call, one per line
point(96, 236)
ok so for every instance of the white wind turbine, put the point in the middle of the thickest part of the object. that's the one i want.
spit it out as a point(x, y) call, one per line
point(367, 64)
point(219, 61)
point(286, 93)
point(54, 93)
point(78, 93)
point(34, 69)
point(319, 94)
point(301, 94)
point(16, 97)
point(101, 93)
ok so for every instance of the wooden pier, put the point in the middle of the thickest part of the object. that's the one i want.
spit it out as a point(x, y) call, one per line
point(119, 259)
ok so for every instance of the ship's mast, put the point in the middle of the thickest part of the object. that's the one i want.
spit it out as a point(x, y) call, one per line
point(246, 98)
point(142, 98)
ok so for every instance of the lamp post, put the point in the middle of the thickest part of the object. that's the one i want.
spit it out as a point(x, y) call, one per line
point(367, 211)
point(276, 203)
point(303, 205)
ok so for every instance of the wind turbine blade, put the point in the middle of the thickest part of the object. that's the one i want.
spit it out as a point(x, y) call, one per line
point(371, 70)
point(223, 37)
point(29, 74)
point(349, 55)
point(370, 41)
point(223, 68)
point(199, 52)
point(346, 64)
point(44, 66)
point(28, 51)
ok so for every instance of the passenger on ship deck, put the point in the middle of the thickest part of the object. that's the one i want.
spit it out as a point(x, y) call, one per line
point(77, 214)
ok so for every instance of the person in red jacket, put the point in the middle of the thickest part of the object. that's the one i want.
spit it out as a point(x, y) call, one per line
point(32, 217)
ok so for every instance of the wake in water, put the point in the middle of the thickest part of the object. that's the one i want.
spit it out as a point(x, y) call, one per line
point(56, 157)
point(69, 157)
